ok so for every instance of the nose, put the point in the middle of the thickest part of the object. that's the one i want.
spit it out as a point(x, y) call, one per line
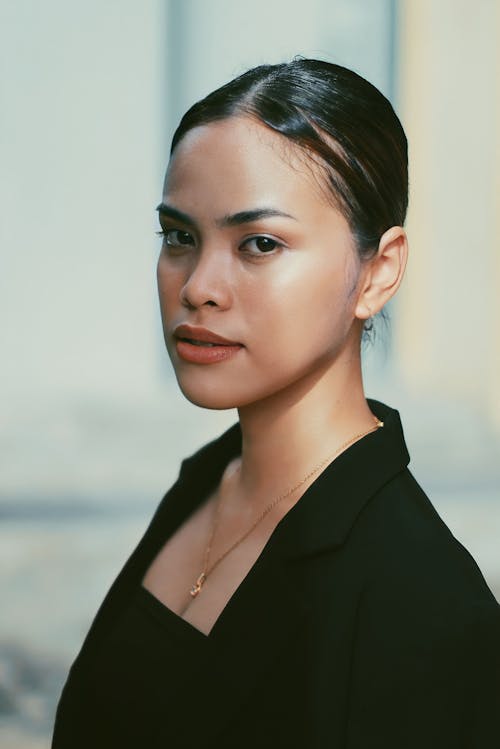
point(208, 281)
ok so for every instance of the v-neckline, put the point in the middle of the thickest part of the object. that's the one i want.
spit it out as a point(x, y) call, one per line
point(167, 616)
point(247, 579)
point(198, 477)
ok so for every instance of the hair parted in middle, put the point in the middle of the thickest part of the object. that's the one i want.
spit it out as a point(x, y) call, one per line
point(341, 121)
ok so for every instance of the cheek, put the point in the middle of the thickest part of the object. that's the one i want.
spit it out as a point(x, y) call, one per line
point(304, 311)
point(169, 285)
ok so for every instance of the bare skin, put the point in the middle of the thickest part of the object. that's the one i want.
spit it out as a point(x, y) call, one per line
point(296, 302)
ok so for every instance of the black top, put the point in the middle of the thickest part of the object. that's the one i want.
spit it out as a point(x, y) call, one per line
point(138, 691)
point(363, 623)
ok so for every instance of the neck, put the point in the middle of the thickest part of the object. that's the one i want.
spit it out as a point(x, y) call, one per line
point(286, 436)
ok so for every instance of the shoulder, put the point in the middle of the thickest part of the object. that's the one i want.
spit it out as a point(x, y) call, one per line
point(426, 613)
point(409, 538)
point(418, 575)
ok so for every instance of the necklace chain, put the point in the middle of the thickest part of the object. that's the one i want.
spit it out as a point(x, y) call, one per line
point(206, 569)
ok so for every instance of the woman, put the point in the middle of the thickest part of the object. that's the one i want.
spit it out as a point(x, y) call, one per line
point(295, 588)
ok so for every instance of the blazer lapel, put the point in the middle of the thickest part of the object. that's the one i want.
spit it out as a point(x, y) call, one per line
point(197, 476)
point(324, 515)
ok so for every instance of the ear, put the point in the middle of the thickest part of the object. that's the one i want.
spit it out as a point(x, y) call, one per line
point(383, 273)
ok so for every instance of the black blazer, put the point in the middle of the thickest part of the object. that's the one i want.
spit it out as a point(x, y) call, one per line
point(364, 623)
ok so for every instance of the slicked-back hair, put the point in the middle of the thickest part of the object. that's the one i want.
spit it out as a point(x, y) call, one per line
point(343, 122)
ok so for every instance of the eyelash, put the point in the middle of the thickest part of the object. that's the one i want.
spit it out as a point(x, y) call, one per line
point(277, 245)
point(165, 232)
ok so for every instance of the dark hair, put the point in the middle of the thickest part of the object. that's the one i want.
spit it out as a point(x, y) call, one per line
point(336, 115)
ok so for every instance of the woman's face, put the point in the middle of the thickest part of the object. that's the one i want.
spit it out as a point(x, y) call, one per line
point(254, 253)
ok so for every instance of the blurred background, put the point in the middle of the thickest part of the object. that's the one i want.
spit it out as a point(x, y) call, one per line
point(92, 427)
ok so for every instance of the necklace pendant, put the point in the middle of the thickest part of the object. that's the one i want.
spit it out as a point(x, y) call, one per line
point(197, 586)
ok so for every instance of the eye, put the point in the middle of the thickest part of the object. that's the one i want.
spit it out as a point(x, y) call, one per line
point(176, 237)
point(261, 245)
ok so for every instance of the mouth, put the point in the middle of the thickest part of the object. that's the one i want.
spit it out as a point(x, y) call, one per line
point(202, 346)
point(197, 335)
point(207, 344)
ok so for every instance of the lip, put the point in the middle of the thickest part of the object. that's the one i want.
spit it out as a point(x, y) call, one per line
point(196, 333)
point(220, 349)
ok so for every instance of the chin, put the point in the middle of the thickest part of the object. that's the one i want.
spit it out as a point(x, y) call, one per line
point(215, 399)
point(220, 395)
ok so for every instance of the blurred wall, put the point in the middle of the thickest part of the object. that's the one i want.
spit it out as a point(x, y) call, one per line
point(82, 91)
point(449, 83)
point(83, 97)
point(91, 93)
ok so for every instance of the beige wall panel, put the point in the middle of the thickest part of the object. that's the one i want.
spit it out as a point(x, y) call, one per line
point(448, 85)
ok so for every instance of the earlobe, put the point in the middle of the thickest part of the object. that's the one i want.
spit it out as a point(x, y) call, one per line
point(384, 273)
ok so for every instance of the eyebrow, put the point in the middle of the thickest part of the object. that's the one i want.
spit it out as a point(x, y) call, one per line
point(234, 219)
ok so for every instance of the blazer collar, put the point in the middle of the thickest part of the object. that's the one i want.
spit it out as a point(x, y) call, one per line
point(323, 516)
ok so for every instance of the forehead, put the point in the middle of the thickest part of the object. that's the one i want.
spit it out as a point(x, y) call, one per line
point(239, 155)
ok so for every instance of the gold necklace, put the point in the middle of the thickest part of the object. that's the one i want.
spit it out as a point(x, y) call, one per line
point(196, 588)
